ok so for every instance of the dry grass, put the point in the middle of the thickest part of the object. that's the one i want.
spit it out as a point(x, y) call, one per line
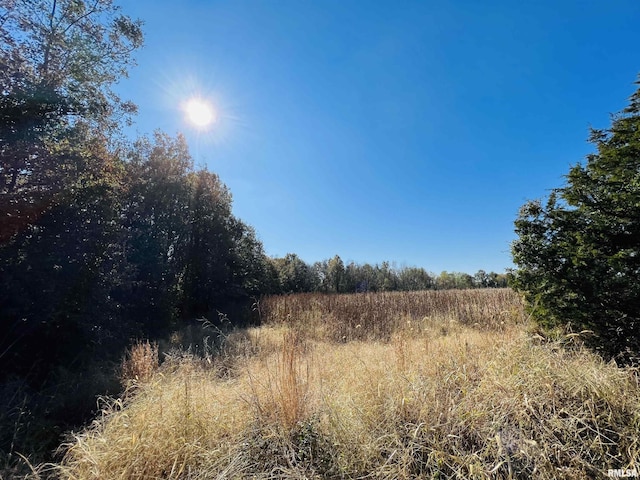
point(433, 398)
point(376, 316)
point(139, 363)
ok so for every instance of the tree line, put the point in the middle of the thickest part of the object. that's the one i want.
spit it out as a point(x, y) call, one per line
point(125, 255)
point(290, 274)
point(102, 239)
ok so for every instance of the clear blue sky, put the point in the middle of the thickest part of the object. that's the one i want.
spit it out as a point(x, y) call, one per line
point(408, 131)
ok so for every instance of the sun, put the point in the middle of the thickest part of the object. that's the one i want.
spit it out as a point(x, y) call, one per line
point(199, 112)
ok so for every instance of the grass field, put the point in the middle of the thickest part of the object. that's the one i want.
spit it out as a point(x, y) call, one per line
point(445, 384)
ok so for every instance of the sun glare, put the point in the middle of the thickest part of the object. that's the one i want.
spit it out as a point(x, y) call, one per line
point(199, 112)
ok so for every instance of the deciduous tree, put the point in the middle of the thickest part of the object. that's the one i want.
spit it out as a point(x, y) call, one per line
point(58, 62)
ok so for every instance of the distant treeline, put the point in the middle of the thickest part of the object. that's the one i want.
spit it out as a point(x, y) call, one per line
point(291, 274)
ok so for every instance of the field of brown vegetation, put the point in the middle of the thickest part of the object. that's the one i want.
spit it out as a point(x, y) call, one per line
point(438, 384)
point(378, 316)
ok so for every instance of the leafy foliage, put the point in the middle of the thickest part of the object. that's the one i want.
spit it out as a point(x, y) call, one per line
point(291, 274)
point(72, 49)
point(58, 61)
point(101, 241)
point(129, 256)
point(579, 253)
point(126, 258)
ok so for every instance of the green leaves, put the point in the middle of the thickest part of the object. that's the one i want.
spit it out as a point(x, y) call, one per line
point(76, 48)
point(578, 257)
point(58, 113)
point(124, 254)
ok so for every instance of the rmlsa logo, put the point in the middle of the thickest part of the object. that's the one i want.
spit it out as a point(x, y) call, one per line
point(622, 473)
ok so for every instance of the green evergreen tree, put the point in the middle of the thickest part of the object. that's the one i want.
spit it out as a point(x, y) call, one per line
point(578, 254)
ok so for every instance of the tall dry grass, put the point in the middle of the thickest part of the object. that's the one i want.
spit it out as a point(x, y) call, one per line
point(439, 398)
point(139, 363)
point(376, 316)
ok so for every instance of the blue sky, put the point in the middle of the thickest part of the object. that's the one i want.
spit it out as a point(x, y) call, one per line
point(408, 131)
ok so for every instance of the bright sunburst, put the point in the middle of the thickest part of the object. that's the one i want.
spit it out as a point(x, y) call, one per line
point(199, 112)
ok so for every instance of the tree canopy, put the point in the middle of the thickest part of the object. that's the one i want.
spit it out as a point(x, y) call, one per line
point(58, 113)
point(101, 239)
point(578, 253)
point(69, 53)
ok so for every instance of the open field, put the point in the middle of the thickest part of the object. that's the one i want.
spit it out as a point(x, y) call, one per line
point(415, 385)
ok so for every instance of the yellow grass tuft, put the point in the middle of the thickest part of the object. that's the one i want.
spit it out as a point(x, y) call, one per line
point(139, 363)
